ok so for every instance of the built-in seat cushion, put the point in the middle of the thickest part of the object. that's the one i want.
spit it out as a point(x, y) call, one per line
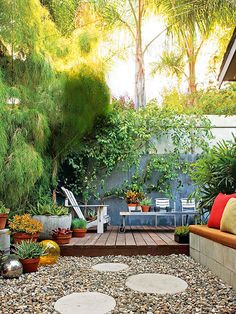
point(218, 208)
point(228, 220)
point(215, 235)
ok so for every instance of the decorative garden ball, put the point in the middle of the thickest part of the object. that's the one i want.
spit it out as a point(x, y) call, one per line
point(11, 267)
point(52, 252)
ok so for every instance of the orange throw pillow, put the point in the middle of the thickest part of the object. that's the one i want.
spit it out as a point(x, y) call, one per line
point(218, 209)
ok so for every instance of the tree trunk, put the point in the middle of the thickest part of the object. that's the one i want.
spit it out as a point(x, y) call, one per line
point(192, 56)
point(192, 86)
point(140, 91)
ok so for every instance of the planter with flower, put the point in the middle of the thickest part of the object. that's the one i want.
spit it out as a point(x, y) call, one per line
point(79, 227)
point(25, 228)
point(29, 253)
point(3, 215)
point(133, 199)
point(52, 216)
point(146, 204)
point(182, 234)
point(61, 236)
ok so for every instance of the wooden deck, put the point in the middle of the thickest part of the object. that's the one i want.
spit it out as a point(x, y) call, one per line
point(135, 241)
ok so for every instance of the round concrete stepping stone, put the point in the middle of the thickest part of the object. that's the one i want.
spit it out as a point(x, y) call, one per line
point(110, 267)
point(156, 283)
point(85, 303)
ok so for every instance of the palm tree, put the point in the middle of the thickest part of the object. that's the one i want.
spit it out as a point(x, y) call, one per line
point(191, 23)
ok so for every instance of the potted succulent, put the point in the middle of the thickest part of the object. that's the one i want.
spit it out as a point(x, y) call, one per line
point(29, 253)
point(62, 236)
point(24, 227)
point(52, 217)
point(182, 234)
point(79, 227)
point(3, 215)
point(133, 198)
point(146, 204)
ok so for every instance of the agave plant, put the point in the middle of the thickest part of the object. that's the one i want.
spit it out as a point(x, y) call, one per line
point(215, 172)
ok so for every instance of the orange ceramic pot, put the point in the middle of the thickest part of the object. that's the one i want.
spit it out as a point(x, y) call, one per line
point(3, 221)
point(79, 233)
point(62, 239)
point(30, 265)
point(23, 236)
point(145, 208)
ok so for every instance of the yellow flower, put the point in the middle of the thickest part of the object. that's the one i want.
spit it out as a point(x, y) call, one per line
point(26, 224)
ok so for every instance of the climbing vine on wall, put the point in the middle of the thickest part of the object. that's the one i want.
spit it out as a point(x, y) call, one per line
point(124, 136)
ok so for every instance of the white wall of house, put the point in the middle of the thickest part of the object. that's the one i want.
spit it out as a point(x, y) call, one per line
point(222, 129)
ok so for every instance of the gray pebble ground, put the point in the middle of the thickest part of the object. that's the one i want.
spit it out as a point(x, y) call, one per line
point(36, 293)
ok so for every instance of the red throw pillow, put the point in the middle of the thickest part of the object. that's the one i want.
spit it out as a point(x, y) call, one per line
point(218, 209)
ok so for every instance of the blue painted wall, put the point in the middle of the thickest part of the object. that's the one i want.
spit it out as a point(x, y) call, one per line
point(117, 204)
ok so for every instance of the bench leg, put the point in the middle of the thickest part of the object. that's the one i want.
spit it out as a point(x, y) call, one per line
point(100, 227)
point(155, 221)
point(122, 228)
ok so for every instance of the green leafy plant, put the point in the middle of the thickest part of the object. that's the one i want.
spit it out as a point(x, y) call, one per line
point(3, 209)
point(79, 224)
point(29, 249)
point(49, 210)
point(120, 140)
point(182, 230)
point(215, 172)
point(146, 202)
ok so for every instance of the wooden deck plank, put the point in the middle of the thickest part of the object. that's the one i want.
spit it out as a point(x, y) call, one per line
point(138, 236)
point(83, 241)
point(129, 238)
point(156, 238)
point(103, 238)
point(93, 240)
point(165, 238)
point(111, 241)
point(136, 241)
point(120, 240)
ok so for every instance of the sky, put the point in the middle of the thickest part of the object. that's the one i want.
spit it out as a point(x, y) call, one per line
point(121, 75)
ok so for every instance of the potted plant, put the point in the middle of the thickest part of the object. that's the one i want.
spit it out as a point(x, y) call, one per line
point(29, 253)
point(133, 198)
point(24, 227)
point(146, 204)
point(52, 217)
point(79, 227)
point(182, 234)
point(3, 215)
point(62, 236)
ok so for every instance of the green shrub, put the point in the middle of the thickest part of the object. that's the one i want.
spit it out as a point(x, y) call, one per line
point(3, 209)
point(182, 230)
point(79, 224)
point(49, 210)
point(215, 172)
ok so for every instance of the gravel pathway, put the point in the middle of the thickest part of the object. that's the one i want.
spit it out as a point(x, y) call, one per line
point(36, 293)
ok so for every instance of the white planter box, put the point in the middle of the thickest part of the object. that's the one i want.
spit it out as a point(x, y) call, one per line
point(5, 241)
point(53, 222)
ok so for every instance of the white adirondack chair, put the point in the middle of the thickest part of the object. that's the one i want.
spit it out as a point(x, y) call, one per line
point(102, 216)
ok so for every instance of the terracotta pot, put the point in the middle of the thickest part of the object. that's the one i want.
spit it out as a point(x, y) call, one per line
point(132, 205)
point(63, 239)
point(22, 236)
point(3, 221)
point(79, 233)
point(145, 208)
point(30, 265)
